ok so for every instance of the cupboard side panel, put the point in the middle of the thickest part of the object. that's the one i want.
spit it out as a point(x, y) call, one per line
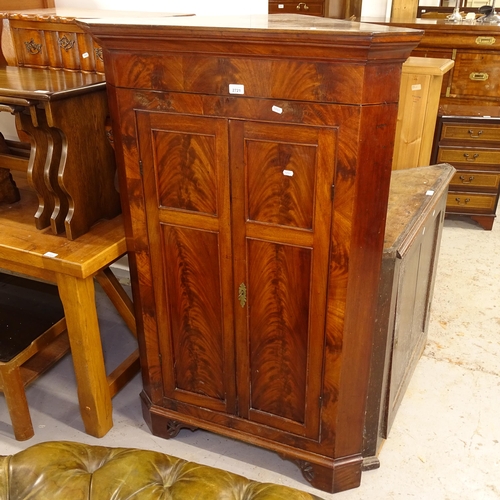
point(132, 200)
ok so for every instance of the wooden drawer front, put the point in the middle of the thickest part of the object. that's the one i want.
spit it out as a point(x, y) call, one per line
point(308, 8)
point(476, 74)
point(258, 77)
point(475, 180)
point(53, 45)
point(479, 132)
point(470, 202)
point(471, 156)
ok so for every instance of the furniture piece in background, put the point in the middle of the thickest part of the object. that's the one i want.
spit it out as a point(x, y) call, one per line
point(71, 166)
point(26, 4)
point(309, 7)
point(73, 265)
point(32, 338)
point(259, 141)
point(470, 92)
point(415, 216)
point(472, 145)
point(339, 9)
point(63, 115)
point(97, 472)
point(421, 83)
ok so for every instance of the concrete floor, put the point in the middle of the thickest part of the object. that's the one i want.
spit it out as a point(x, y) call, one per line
point(444, 444)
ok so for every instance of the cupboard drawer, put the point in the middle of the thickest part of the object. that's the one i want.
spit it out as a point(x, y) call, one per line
point(476, 74)
point(470, 202)
point(308, 8)
point(52, 44)
point(477, 156)
point(475, 180)
point(470, 131)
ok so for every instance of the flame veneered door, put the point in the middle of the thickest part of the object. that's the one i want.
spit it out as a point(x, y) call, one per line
point(186, 188)
point(282, 191)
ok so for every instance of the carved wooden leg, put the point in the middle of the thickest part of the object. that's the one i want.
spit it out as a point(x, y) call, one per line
point(40, 155)
point(159, 425)
point(78, 299)
point(332, 476)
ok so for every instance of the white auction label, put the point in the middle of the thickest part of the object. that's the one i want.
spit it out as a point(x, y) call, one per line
point(236, 89)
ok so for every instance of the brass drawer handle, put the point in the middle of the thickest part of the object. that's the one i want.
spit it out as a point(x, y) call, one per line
point(65, 43)
point(485, 40)
point(479, 77)
point(98, 53)
point(302, 5)
point(471, 134)
point(467, 157)
point(32, 47)
point(466, 181)
point(458, 200)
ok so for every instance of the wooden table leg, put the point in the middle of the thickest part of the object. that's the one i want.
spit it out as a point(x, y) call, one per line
point(78, 299)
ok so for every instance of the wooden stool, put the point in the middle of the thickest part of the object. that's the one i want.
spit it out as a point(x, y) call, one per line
point(32, 338)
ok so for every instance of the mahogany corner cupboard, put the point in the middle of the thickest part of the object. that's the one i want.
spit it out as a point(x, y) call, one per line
point(255, 158)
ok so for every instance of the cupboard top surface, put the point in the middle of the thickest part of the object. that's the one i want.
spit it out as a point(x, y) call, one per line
point(266, 24)
point(412, 191)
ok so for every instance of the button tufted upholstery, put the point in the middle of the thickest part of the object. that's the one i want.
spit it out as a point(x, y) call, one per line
point(63, 470)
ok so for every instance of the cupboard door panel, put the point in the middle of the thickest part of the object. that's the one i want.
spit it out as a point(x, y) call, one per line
point(194, 311)
point(282, 177)
point(186, 188)
point(286, 196)
point(278, 279)
point(187, 180)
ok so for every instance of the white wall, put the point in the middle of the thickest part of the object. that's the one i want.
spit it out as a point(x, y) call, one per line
point(199, 7)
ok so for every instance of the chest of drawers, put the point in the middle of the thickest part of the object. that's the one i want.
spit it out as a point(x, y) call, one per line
point(472, 146)
point(469, 104)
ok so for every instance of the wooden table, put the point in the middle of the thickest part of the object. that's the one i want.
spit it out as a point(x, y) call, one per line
point(72, 265)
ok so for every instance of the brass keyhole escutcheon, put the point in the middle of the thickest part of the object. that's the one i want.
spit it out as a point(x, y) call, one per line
point(478, 77)
point(242, 294)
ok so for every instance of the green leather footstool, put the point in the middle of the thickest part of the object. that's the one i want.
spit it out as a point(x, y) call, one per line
point(64, 470)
